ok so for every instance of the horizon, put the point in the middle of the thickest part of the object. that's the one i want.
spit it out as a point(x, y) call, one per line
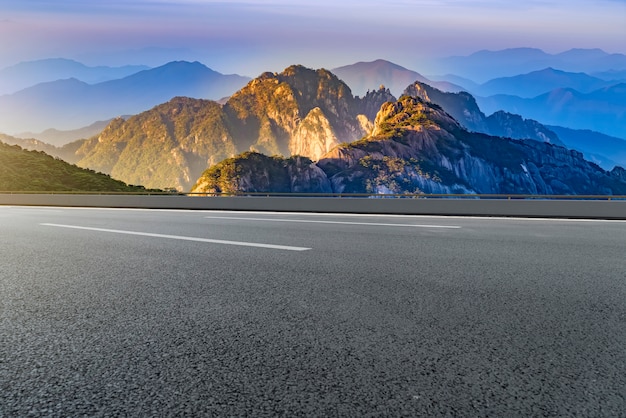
point(253, 36)
point(358, 61)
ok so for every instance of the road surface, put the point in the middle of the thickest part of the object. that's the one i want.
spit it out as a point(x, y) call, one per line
point(199, 313)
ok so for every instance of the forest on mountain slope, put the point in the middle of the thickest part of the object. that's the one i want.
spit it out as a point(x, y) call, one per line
point(22, 170)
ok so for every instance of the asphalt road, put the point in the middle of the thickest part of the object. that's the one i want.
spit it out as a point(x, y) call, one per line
point(195, 313)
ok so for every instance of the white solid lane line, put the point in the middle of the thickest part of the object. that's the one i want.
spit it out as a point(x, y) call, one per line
point(330, 222)
point(178, 237)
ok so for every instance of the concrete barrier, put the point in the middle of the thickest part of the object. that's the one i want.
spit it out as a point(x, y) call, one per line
point(598, 209)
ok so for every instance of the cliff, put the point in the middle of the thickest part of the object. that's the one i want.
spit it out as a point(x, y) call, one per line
point(297, 112)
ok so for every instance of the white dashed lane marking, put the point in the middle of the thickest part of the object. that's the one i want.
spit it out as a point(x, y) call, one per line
point(182, 238)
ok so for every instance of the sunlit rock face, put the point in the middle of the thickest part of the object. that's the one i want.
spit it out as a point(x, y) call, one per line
point(166, 147)
point(296, 112)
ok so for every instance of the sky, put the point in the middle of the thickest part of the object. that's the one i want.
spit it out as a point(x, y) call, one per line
point(251, 36)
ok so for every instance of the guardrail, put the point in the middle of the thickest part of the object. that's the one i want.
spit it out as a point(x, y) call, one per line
point(592, 206)
point(336, 195)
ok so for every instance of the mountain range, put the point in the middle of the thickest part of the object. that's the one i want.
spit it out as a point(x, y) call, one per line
point(301, 112)
point(604, 150)
point(585, 106)
point(312, 114)
point(60, 138)
point(53, 107)
point(484, 65)
point(71, 103)
point(29, 73)
point(539, 82)
point(602, 110)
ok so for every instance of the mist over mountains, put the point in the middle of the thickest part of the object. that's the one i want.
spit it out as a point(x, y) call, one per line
point(71, 103)
point(59, 138)
point(365, 76)
point(602, 110)
point(29, 73)
point(485, 65)
point(539, 82)
point(313, 114)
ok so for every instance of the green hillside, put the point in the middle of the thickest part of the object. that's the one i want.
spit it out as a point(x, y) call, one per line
point(22, 170)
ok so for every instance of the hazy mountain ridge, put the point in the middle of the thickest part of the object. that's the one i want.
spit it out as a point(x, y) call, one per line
point(29, 73)
point(60, 138)
point(602, 110)
point(47, 99)
point(67, 152)
point(513, 61)
point(366, 76)
point(68, 104)
point(604, 150)
point(539, 82)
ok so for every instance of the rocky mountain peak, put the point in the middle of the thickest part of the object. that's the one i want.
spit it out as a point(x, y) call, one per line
point(372, 101)
point(462, 105)
point(514, 126)
point(268, 113)
point(411, 113)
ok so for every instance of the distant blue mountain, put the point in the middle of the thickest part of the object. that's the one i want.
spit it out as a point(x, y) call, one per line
point(71, 103)
point(611, 75)
point(465, 83)
point(368, 76)
point(59, 138)
point(539, 82)
point(30, 73)
point(482, 66)
point(602, 110)
point(606, 151)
